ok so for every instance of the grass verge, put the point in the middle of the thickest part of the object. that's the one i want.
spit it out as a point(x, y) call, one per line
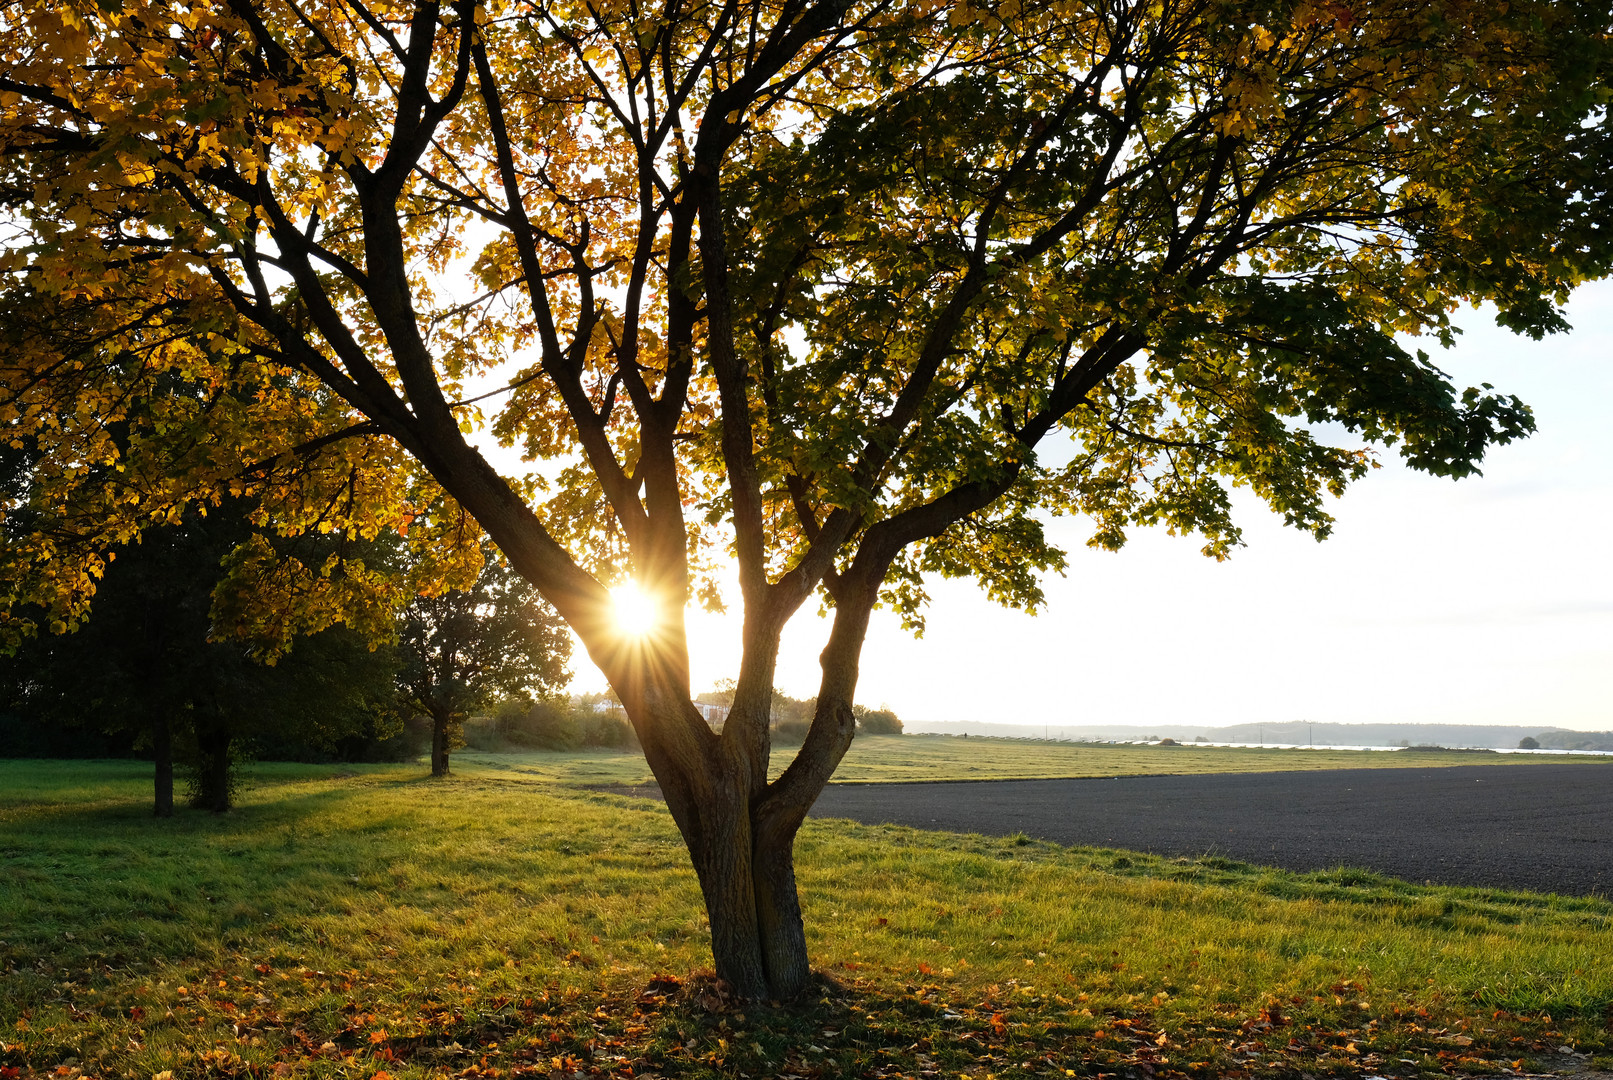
point(374, 921)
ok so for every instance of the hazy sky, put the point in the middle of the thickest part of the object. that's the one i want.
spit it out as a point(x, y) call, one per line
point(1486, 600)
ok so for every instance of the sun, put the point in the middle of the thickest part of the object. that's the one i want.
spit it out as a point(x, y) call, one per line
point(636, 612)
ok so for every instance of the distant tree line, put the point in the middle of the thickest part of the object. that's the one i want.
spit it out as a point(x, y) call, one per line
point(166, 667)
point(1568, 740)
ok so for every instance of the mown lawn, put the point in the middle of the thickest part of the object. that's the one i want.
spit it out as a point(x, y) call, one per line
point(908, 758)
point(355, 922)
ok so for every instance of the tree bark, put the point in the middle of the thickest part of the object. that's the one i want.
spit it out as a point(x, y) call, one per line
point(780, 927)
point(722, 860)
point(747, 879)
point(742, 848)
point(439, 744)
point(214, 770)
point(162, 753)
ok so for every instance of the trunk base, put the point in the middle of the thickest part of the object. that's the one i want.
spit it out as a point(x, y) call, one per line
point(439, 746)
point(747, 876)
point(162, 746)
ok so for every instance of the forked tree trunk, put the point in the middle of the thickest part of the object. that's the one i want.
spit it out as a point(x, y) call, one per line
point(439, 744)
point(747, 879)
point(741, 832)
point(162, 752)
point(739, 828)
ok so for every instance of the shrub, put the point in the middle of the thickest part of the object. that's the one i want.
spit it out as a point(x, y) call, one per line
point(791, 732)
point(545, 725)
point(609, 730)
point(476, 732)
point(1528, 743)
point(877, 721)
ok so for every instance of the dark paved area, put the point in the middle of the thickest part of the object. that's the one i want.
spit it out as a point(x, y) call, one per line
point(1548, 828)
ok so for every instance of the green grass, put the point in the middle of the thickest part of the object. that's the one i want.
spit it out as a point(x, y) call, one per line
point(348, 922)
point(911, 758)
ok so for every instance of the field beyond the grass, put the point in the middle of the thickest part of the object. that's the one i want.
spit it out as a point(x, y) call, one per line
point(361, 922)
point(917, 758)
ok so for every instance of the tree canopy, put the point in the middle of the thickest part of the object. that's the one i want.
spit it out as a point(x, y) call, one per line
point(845, 292)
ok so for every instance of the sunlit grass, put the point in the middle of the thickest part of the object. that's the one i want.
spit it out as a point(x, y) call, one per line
point(396, 918)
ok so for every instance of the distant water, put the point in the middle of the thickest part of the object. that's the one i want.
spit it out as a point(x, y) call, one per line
point(1334, 746)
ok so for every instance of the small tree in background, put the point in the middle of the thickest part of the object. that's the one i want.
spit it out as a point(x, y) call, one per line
point(465, 648)
point(1528, 742)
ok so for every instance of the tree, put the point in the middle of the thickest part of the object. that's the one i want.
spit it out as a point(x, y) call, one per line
point(463, 649)
point(847, 291)
point(151, 662)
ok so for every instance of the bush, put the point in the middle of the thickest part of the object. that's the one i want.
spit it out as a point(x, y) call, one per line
point(562, 725)
point(1528, 743)
point(791, 732)
point(877, 721)
point(546, 725)
point(477, 733)
point(22, 737)
point(609, 730)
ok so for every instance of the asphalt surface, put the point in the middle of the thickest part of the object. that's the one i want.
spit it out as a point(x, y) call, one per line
point(1547, 828)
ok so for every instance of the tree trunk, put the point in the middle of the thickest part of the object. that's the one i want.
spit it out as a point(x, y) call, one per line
point(747, 878)
point(742, 847)
point(213, 771)
point(439, 744)
point(778, 914)
point(162, 752)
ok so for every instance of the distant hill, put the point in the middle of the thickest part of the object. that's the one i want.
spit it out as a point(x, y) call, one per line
point(1296, 732)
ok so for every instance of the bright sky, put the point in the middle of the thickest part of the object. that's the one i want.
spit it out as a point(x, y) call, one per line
point(1486, 600)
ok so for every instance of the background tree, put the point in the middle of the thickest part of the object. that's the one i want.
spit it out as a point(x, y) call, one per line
point(464, 649)
point(149, 663)
point(849, 292)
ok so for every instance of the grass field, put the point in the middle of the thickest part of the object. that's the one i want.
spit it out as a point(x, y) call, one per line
point(907, 758)
point(370, 921)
